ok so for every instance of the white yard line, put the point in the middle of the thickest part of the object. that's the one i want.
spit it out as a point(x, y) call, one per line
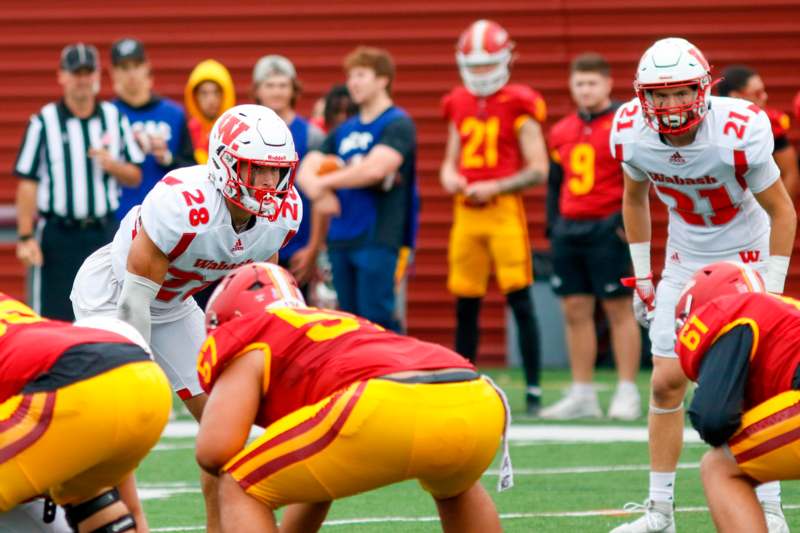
point(554, 433)
point(505, 516)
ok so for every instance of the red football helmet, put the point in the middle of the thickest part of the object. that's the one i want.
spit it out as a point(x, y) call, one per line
point(251, 288)
point(484, 44)
point(713, 281)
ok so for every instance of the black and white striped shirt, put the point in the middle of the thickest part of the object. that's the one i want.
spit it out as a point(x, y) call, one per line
point(54, 152)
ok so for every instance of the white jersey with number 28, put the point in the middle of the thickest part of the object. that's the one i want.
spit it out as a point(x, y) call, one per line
point(187, 219)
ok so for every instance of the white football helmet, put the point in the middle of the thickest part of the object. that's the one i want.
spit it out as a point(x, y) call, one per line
point(668, 63)
point(243, 137)
point(484, 43)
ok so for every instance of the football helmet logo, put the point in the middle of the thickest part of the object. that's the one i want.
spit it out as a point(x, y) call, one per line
point(251, 288)
point(244, 137)
point(671, 63)
point(484, 54)
point(715, 280)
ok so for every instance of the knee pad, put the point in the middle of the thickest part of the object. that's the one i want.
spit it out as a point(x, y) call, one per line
point(665, 411)
point(80, 512)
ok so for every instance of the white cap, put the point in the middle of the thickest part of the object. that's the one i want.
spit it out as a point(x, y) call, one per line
point(273, 64)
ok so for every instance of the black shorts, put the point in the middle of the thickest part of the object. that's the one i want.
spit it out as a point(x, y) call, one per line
point(590, 257)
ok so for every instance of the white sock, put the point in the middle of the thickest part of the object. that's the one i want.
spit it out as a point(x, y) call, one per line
point(769, 492)
point(627, 387)
point(662, 486)
point(583, 390)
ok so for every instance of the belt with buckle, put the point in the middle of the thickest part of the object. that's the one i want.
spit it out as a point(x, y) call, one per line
point(80, 223)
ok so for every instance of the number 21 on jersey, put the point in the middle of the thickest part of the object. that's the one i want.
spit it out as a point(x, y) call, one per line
point(480, 148)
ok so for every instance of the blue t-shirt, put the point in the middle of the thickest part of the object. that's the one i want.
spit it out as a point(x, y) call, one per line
point(299, 129)
point(386, 213)
point(161, 116)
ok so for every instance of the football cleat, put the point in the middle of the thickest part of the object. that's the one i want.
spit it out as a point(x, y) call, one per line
point(626, 404)
point(657, 518)
point(573, 406)
point(776, 521)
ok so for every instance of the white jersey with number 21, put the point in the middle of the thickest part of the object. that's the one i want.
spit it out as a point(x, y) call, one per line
point(708, 185)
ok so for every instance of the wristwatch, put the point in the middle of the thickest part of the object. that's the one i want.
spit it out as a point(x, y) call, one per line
point(25, 237)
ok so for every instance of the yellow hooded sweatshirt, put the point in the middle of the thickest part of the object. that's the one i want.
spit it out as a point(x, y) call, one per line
point(199, 125)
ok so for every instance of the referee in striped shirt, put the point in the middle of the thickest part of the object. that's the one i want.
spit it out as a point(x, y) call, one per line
point(75, 154)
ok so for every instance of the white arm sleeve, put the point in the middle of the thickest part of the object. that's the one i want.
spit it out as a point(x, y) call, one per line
point(634, 173)
point(134, 302)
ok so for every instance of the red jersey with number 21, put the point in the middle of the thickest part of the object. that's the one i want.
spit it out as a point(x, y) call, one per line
point(707, 185)
point(311, 353)
point(488, 127)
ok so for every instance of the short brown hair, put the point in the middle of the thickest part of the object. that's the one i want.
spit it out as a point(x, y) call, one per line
point(590, 62)
point(377, 59)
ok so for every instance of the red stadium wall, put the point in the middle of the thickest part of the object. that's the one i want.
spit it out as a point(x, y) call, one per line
point(316, 34)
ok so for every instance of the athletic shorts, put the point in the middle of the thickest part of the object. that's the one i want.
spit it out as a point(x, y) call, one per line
point(372, 434)
point(590, 257)
point(75, 440)
point(679, 268)
point(175, 336)
point(482, 237)
point(767, 444)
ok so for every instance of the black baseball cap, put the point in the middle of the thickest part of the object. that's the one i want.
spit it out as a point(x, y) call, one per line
point(125, 49)
point(77, 56)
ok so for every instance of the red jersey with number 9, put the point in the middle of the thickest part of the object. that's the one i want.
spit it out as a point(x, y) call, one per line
point(592, 184)
point(775, 321)
point(30, 344)
point(311, 353)
point(488, 127)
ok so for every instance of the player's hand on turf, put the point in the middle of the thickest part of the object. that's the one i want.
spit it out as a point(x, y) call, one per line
point(303, 265)
point(644, 298)
point(482, 191)
point(29, 253)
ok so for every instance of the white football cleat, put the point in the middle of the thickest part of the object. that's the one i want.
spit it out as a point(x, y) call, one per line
point(626, 404)
point(657, 518)
point(776, 522)
point(573, 406)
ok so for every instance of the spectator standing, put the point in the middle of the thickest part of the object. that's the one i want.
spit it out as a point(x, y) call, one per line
point(74, 155)
point(275, 85)
point(158, 123)
point(209, 92)
point(741, 81)
point(590, 254)
point(376, 189)
point(495, 149)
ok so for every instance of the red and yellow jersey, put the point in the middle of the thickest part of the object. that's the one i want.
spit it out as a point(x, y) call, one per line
point(311, 353)
point(488, 127)
point(30, 344)
point(779, 121)
point(775, 322)
point(593, 183)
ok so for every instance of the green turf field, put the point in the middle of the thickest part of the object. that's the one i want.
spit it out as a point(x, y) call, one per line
point(560, 486)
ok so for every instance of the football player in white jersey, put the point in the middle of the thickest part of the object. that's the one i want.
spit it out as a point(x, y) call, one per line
point(195, 226)
point(709, 160)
